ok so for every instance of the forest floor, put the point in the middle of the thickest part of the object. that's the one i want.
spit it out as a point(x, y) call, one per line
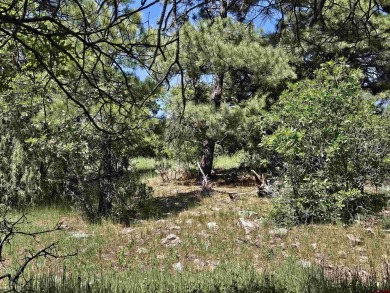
point(179, 231)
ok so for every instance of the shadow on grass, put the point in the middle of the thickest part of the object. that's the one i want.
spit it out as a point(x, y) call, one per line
point(161, 207)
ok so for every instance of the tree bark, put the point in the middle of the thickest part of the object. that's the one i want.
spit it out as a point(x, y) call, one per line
point(209, 143)
point(207, 157)
point(106, 186)
point(216, 97)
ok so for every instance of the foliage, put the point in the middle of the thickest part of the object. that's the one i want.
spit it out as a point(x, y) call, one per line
point(318, 31)
point(330, 141)
point(251, 69)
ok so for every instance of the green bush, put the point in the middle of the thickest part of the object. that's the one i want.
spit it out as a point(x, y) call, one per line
point(331, 143)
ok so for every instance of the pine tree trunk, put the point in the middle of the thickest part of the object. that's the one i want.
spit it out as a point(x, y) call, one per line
point(106, 188)
point(216, 97)
point(207, 157)
point(209, 144)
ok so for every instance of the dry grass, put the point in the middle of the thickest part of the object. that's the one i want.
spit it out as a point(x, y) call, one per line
point(208, 234)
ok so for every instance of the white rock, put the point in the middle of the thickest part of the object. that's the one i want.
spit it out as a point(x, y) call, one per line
point(354, 240)
point(178, 267)
point(142, 250)
point(80, 235)
point(305, 263)
point(279, 232)
point(171, 240)
point(128, 230)
point(248, 226)
point(212, 226)
point(246, 213)
point(200, 264)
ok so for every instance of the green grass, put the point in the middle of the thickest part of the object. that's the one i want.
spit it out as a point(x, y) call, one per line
point(115, 258)
point(228, 161)
point(290, 276)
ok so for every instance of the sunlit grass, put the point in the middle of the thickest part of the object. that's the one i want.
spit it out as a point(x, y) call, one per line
point(228, 161)
point(135, 259)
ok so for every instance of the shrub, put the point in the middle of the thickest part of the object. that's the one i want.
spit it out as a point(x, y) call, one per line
point(331, 143)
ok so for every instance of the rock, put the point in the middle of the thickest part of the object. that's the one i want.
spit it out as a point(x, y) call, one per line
point(65, 227)
point(319, 256)
point(370, 231)
point(212, 264)
point(330, 267)
point(161, 221)
point(142, 250)
point(189, 222)
point(216, 209)
point(233, 196)
point(342, 254)
point(305, 263)
point(171, 240)
point(178, 267)
point(177, 228)
point(200, 264)
point(314, 245)
point(128, 230)
point(80, 235)
point(212, 226)
point(247, 225)
point(354, 240)
point(363, 259)
point(203, 234)
point(243, 214)
point(278, 232)
point(296, 245)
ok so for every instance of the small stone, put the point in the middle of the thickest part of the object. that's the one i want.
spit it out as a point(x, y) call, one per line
point(305, 263)
point(243, 214)
point(216, 209)
point(248, 226)
point(233, 196)
point(278, 232)
point(178, 267)
point(363, 259)
point(200, 264)
point(171, 240)
point(65, 227)
point(314, 245)
point(212, 226)
point(128, 230)
point(142, 250)
point(370, 231)
point(354, 240)
point(295, 245)
point(204, 234)
point(342, 254)
point(80, 235)
point(161, 221)
point(189, 222)
point(212, 264)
